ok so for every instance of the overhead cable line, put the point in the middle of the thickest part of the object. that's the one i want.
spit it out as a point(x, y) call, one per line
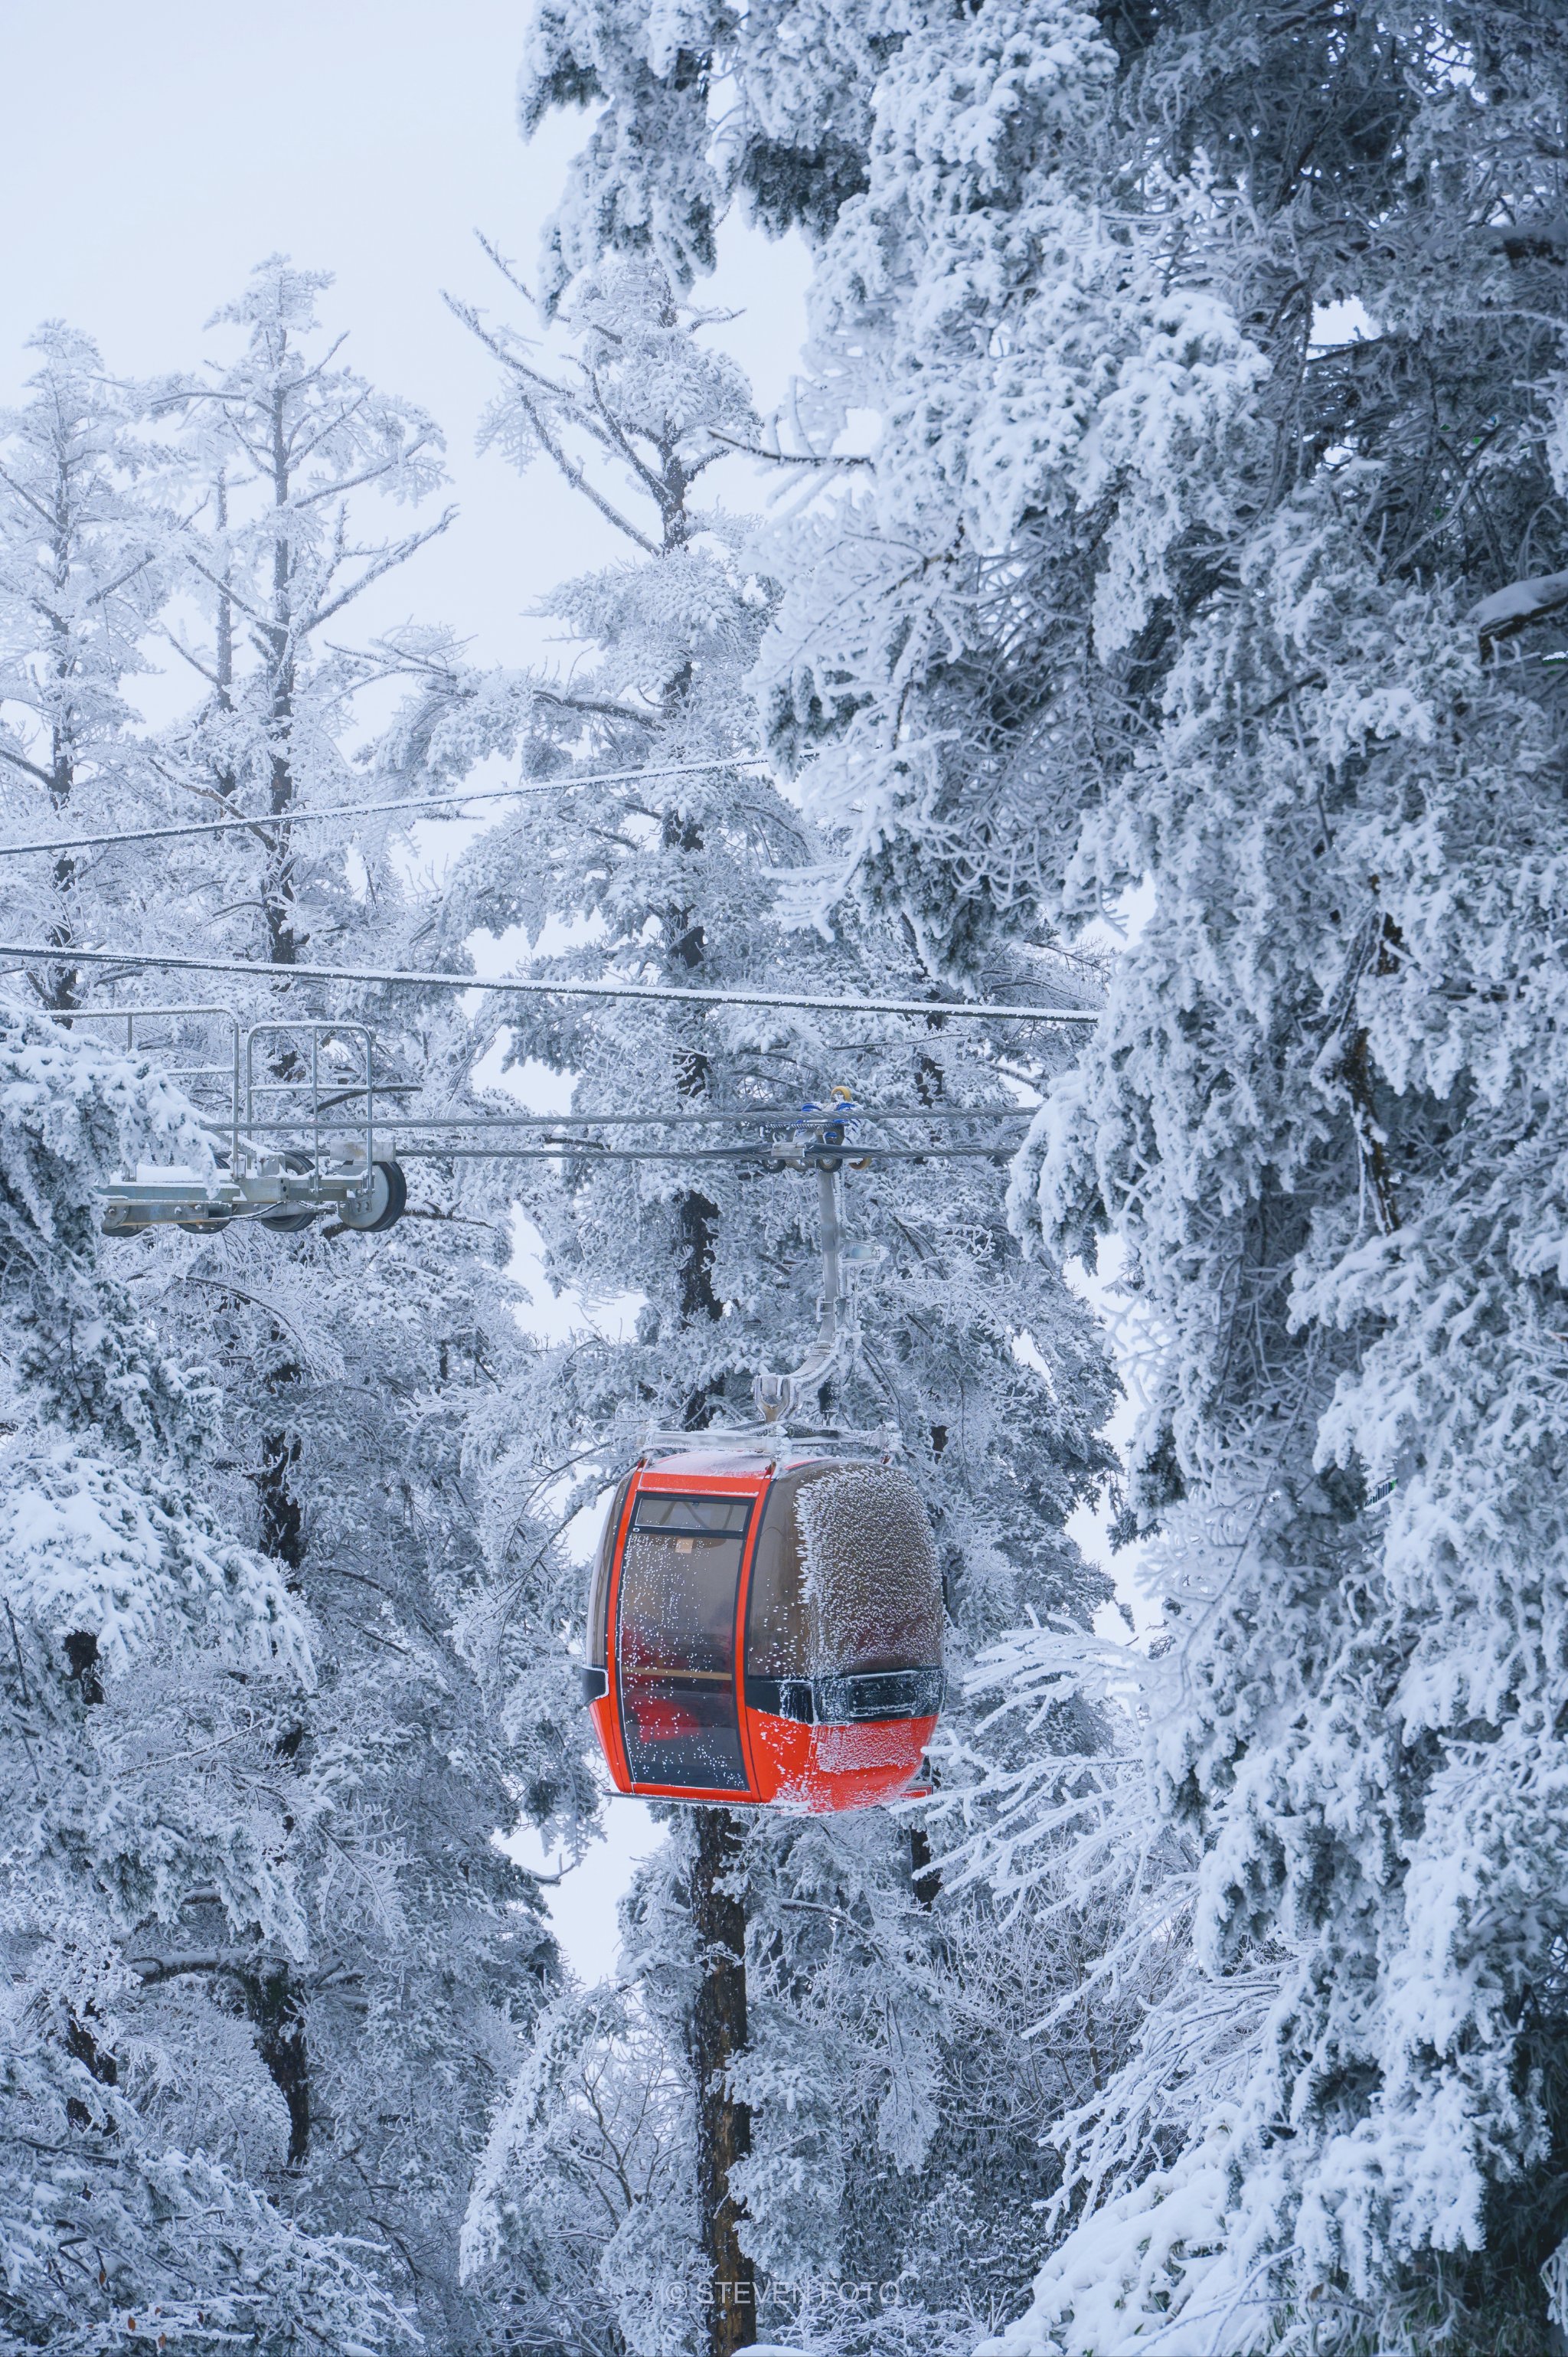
point(722, 1117)
point(803, 1002)
point(372, 809)
point(567, 1148)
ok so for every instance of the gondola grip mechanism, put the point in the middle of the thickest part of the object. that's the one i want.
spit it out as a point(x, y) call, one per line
point(778, 1396)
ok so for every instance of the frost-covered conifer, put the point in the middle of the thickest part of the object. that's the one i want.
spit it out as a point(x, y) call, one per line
point(849, 2063)
point(359, 1375)
point(150, 1668)
point(284, 448)
point(362, 2034)
point(83, 573)
point(1212, 543)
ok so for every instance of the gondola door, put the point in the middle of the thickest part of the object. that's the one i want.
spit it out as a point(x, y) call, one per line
point(675, 1640)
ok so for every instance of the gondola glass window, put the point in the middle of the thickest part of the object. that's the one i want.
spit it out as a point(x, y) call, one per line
point(676, 1637)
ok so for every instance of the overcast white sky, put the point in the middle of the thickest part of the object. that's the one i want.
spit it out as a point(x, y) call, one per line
point(154, 152)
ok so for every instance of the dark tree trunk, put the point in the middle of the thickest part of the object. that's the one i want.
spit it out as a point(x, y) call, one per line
point(282, 1513)
point(83, 2047)
point(717, 2032)
point(82, 1663)
point(925, 1878)
point(696, 1233)
point(717, 2029)
point(280, 2041)
point(270, 1997)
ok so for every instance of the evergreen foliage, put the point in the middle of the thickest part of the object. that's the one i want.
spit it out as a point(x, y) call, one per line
point(1209, 552)
point(144, 1645)
point(1196, 589)
point(992, 1373)
point(304, 1966)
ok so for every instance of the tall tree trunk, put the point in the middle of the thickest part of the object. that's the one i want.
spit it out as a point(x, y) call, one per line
point(273, 2004)
point(717, 2032)
point(270, 1997)
point(64, 988)
point(284, 944)
point(717, 2027)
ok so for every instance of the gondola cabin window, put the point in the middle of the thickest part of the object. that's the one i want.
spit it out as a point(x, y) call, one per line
point(675, 1640)
point(604, 1568)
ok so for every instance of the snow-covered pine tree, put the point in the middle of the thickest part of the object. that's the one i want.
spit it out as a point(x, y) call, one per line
point(361, 1374)
point(83, 573)
point(152, 1668)
point(353, 1380)
point(281, 443)
point(1212, 543)
point(677, 877)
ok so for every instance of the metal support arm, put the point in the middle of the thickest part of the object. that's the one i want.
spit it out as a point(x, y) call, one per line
point(778, 1396)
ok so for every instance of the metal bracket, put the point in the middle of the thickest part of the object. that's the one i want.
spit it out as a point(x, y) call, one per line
point(769, 1440)
point(828, 1142)
point(264, 1101)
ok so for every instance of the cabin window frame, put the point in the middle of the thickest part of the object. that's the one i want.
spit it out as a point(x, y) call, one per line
point(602, 1581)
point(725, 1741)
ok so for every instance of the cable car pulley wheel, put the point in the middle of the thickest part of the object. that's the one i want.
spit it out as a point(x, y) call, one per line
point(383, 1203)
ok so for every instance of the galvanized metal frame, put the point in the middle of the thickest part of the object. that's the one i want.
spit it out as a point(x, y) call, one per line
point(252, 1179)
point(269, 1117)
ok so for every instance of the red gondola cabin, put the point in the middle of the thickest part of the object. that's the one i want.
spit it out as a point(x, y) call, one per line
point(766, 1629)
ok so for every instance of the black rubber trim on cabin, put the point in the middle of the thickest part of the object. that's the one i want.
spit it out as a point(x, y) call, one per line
point(847, 1701)
point(782, 1698)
